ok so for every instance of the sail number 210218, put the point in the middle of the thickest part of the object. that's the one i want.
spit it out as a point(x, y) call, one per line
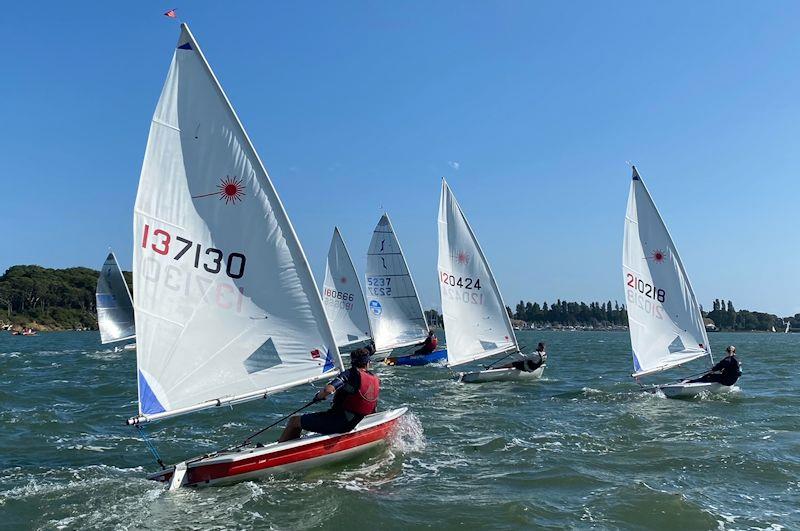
point(645, 288)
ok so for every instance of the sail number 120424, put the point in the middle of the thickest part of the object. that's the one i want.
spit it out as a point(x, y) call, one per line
point(461, 282)
point(212, 260)
point(645, 288)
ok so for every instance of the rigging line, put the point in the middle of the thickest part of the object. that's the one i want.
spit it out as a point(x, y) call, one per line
point(150, 446)
point(501, 359)
point(254, 434)
point(693, 375)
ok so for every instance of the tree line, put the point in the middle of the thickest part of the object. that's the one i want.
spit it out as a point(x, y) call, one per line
point(60, 299)
point(572, 313)
point(65, 299)
point(726, 317)
point(559, 313)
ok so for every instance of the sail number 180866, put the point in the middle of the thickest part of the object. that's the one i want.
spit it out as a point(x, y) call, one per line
point(644, 288)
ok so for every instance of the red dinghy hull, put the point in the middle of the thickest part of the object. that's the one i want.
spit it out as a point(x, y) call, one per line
point(251, 462)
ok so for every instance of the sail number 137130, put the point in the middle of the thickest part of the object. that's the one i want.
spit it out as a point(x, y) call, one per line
point(212, 260)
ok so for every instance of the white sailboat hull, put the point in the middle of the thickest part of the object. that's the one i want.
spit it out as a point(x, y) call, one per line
point(689, 390)
point(501, 375)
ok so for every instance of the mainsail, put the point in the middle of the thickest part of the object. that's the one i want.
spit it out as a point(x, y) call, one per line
point(114, 305)
point(475, 318)
point(226, 305)
point(395, 314)
point(342, 296)
point(664, 318)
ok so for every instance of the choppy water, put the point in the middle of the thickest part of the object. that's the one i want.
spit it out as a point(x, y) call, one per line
point(581, 448)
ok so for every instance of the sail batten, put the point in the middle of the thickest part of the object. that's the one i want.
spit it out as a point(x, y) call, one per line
point(664, 318)
point(475, 318)
point(395, 313)
point(225, 301)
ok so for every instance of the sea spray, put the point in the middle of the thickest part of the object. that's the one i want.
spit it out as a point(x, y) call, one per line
point(407, 435)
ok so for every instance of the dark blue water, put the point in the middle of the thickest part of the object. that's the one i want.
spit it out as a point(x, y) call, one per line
point(582, 448)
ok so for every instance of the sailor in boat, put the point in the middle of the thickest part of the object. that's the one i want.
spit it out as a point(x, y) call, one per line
point(355, 393)
point(528, 363)
point(430, 344)
point(725, 372)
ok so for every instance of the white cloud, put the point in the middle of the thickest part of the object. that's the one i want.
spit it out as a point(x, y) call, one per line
point(454, 164)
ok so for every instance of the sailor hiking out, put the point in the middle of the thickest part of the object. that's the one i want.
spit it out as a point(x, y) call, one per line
point(355, 393)
point(726, 371)
point(528, 363)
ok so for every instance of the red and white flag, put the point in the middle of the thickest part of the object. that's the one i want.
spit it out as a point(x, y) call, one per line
point(171, 14)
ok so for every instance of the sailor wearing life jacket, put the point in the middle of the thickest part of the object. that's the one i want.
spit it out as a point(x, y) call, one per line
point(355, 393)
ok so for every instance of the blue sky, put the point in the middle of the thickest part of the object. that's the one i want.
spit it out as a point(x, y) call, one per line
point(530, 109)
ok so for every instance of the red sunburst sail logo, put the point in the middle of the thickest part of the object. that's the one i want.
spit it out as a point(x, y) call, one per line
point(230, 189)
point(343, 280)
point(658, 256)
point(462, 257)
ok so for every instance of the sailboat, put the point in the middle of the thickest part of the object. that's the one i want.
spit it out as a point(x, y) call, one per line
point(788, 324)
point(226, 306)
point(395, 313)
point(664, 318)
point(344, 301)
point(475, 318)
point(114, 306)
point(773, 329)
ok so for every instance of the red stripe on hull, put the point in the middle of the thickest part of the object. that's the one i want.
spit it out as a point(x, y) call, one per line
point(203, 474)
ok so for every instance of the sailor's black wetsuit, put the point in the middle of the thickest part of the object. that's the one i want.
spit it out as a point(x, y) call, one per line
point(731, 370)
point(529, 364)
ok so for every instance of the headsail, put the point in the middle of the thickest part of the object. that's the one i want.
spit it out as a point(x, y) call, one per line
point(475, 319)
point(114, 305)
point(226, 307)
point(342, 296)
point(664, 318)
point(393, 306)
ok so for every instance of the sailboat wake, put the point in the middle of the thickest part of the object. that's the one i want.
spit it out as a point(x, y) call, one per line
point(408, 435)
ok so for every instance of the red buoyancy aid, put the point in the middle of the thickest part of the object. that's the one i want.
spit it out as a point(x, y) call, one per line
point(365, 400)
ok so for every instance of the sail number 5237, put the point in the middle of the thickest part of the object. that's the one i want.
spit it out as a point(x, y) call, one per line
point(646, 289)
point(212, 260)
point(379, 286)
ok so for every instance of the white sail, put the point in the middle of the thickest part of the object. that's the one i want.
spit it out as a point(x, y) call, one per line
point(342, 296)
point(664, 318)
point(395, 314)
point(475, 318)
point(226, 307)
point(114, 305)
point(788, 323)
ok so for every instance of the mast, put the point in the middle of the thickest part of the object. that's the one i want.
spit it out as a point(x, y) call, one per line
point(226, 305)
point(478, 322)
point(114, 305)
point(662, 306)
point(396, 320)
